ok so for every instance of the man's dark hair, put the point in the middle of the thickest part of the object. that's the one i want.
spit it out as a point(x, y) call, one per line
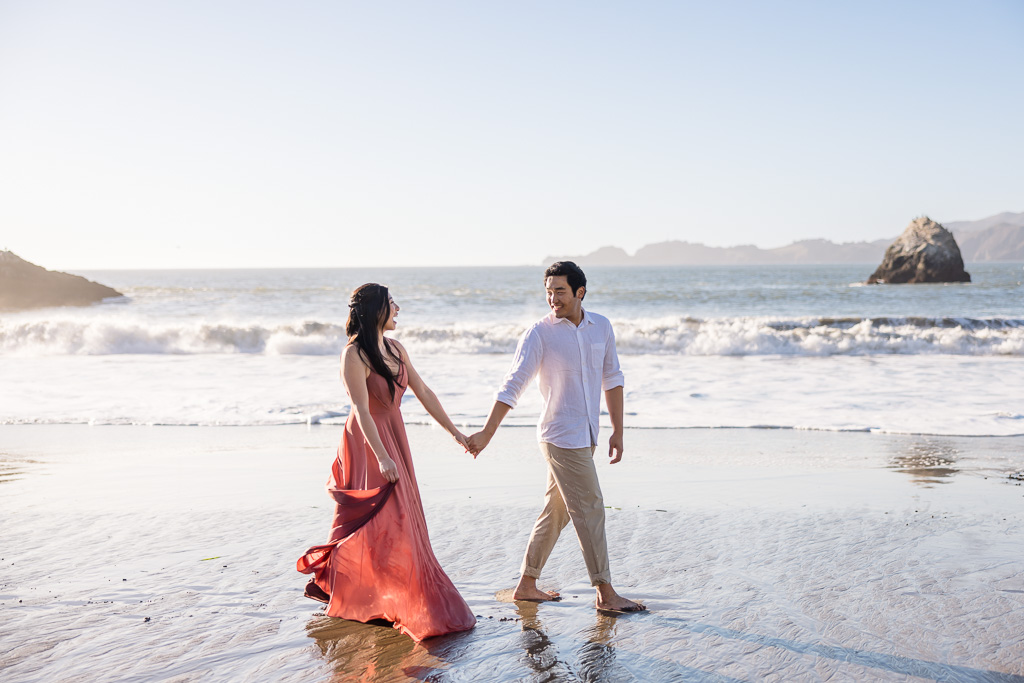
point(573, 274)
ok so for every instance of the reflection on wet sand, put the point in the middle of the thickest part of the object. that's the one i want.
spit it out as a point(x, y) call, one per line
point(376, 651)
point(928, 462)
point(597, 653)
point(13, 469)
point(594, 653)
point(10, 472)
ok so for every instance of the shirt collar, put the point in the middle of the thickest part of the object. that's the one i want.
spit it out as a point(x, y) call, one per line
point(586, 319)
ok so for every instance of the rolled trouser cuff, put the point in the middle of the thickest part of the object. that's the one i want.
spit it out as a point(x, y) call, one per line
point(532, 572)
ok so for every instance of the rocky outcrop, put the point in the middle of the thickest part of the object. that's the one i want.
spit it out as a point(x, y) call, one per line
point(925, 252)
point(24, 285)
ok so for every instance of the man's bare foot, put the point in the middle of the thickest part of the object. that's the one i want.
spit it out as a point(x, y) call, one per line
point(536, 595)
point(609, 600)
point(527, 590)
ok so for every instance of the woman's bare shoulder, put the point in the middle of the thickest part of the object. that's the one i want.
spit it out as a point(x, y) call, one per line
point(352, 357)
point(398, 345)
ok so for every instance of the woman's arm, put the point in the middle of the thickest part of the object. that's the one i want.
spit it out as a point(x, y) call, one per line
point(428, 398)
point(354, 373)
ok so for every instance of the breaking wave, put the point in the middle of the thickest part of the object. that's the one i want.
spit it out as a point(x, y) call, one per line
point(740, 336)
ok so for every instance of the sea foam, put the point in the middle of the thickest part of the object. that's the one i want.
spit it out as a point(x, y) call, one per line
point(736, 336)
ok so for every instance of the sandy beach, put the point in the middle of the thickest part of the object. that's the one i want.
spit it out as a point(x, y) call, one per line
point(167, 554)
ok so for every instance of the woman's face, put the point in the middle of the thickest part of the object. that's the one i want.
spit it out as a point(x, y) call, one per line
point(393, 310)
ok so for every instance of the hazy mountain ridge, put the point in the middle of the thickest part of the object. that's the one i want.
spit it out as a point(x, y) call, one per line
point(996, 238)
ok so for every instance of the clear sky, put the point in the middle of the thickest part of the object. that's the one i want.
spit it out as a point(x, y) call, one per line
point(204, 133)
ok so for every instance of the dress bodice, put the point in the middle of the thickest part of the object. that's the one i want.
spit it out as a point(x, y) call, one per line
point(380, 397)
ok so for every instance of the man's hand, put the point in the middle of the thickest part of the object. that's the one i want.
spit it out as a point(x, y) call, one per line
point(477, 442)
point(615, 447)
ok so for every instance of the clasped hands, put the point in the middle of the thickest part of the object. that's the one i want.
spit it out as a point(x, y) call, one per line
point(473, 443)
point(477, 442)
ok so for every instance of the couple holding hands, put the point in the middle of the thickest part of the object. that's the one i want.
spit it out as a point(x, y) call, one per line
point(379, 563)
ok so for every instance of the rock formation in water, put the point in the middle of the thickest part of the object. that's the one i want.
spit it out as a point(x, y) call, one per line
point(925, 252)
point(24, 285)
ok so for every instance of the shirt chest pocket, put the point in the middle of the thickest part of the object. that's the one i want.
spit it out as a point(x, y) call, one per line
point(597, 354)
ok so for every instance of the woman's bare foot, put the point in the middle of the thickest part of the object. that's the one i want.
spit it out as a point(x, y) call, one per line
point(527, 590)
point(608, 599)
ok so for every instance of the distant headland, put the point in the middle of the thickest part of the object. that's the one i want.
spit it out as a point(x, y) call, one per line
point(25, 285)
point(996, 238)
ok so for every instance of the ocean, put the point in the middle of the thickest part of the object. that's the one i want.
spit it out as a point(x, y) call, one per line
point(777, 347)
point(821, 480)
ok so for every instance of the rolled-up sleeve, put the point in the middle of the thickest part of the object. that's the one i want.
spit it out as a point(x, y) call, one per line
point(525, 365)
point(611, 375)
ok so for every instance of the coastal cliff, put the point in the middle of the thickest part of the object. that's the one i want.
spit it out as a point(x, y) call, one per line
point(24, 285)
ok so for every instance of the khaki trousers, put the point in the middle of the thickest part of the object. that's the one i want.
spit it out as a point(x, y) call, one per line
point(573, 494)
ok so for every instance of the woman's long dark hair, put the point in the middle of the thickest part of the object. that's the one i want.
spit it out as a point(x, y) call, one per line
point(368, 310)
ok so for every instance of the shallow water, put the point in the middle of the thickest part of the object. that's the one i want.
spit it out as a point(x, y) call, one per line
point(168, 554)
point(762, 554)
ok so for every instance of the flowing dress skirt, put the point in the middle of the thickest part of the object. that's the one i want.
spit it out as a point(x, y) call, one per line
point(378, 563)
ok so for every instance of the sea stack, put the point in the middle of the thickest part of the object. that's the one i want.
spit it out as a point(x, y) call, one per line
point(24, 285)
point(925, 252)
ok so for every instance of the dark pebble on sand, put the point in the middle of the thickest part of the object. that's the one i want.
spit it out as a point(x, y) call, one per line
point(146, 619)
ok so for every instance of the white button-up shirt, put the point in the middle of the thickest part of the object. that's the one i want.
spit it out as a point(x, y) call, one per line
point(574, 365)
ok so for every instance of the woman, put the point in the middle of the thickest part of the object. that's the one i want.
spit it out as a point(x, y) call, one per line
point(379, 563)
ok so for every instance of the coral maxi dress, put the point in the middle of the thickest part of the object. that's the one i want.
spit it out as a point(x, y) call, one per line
point(379, 563)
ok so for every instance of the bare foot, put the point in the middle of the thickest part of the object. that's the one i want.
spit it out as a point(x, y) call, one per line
point(527, 590)
point(536, 595)
point(608, 599)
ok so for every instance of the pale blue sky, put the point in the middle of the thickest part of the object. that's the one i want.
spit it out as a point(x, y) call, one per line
point(204, 134)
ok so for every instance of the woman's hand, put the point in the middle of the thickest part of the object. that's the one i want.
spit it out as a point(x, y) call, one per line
point(389, 469)
point(478, 442)
point(461, 439)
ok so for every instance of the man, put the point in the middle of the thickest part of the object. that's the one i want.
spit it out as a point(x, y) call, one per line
point(572, 351)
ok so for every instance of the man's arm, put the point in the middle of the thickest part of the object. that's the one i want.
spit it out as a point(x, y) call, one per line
point(479, 441)
point(613, 398)
point(612, 381)
point(525, 365)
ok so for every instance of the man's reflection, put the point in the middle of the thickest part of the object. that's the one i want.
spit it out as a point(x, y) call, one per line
point(594, 657)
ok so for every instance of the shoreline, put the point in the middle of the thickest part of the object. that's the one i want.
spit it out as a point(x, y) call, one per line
point(760, 553)
point(919, 395)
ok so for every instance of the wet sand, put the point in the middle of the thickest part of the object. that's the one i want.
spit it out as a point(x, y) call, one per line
point(167, 554)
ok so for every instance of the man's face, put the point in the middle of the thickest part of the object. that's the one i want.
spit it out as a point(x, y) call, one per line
point(560, 297)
